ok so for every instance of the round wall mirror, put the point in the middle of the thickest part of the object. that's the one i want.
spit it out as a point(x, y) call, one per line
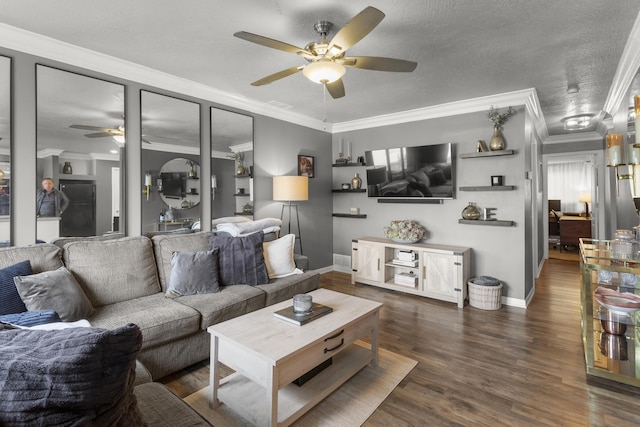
point(179, 184)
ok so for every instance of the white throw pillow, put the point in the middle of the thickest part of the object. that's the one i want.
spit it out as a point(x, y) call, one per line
point(278, 257)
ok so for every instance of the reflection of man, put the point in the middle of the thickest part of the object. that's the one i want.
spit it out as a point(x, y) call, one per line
point(50, 202)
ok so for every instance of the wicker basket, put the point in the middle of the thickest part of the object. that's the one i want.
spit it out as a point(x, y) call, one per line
point(485, 297)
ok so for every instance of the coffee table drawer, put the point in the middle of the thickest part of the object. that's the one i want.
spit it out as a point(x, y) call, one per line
point(332, 344)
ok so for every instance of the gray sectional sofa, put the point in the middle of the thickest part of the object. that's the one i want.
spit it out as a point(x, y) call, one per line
point(125, 279)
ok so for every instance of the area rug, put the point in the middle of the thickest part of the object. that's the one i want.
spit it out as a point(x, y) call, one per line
point(349, 405)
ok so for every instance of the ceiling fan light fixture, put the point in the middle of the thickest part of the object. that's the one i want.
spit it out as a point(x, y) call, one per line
point(579, 122)
point(119, 139)
point(324, 71)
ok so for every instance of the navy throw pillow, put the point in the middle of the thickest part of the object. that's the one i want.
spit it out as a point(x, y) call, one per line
point(10, 301)
point(31, 318)
point(241, 259)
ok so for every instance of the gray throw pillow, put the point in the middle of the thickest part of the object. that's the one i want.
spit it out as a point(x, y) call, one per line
point(55, 290)
point(241, 259)
point(193, 273)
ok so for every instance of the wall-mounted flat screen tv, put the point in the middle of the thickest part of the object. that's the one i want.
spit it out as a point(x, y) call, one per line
point(174, 184)
point(426, 171)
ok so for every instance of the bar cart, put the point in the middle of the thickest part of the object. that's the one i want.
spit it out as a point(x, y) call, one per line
point(609, 288)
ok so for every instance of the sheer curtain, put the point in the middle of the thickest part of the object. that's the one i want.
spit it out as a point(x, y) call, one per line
point(565, 181)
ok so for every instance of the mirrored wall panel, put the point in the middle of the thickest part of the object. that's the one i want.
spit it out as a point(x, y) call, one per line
point(5, 151)
point(231, 164)
point(170, 163)
point(80, 149)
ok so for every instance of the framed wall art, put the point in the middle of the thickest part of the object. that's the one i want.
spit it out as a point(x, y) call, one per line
point(306, 166)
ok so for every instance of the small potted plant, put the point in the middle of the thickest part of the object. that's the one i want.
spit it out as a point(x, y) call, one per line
point(405, 231)
point(497, 141)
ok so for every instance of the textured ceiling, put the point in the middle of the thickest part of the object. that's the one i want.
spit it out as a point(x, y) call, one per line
point(464, 48)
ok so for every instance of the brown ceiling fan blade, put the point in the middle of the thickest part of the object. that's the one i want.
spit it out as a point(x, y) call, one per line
point(356, 29)
point(277, 76)
point(85, 127)
point(274, 44)
point(336, 89)
point(379, 63)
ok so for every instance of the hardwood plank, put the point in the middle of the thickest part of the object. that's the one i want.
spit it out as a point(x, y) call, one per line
point(511, 366)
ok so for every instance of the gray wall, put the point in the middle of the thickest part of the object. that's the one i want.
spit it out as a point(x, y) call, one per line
point(496, 251)
point(276, 148)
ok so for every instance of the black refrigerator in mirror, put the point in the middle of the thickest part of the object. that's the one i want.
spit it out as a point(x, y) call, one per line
point(79, 218)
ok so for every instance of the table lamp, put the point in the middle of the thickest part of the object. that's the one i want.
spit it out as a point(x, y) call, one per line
point(291, 189)
point(586, 199)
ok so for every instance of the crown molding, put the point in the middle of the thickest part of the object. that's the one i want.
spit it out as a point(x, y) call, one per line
point(574, 137)
point(626, 71)
point(47, 47)
point(48, 152)
point(238, 148)
point(172, 148)
point(528, 97)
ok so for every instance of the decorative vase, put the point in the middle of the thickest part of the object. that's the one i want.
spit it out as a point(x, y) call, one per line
point(470, 212)
point(356, 182)
point(192, 172)
point(67, 169)
point(240, 170)
point(497, 141)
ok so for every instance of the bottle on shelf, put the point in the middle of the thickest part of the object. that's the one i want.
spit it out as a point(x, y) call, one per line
point(168, 216)
point(161, 218)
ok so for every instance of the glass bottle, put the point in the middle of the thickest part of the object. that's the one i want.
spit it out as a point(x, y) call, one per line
point(623, 247)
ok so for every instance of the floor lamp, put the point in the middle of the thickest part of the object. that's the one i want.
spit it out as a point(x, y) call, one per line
point(291, 189)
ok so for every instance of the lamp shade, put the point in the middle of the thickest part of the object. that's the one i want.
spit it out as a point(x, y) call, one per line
point(323, 71)
point(290, 188)
point(584, 197)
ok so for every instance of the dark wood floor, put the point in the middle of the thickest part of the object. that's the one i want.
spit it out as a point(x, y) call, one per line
point(511, 367)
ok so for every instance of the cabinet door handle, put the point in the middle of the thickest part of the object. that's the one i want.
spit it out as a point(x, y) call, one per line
point(327, 350)
point(334, 336)
point(378, 264)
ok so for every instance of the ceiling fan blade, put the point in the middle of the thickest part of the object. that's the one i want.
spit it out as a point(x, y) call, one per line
point(379, 63)
point(354, 30)
point(85, 127)
point(98, 135)
point(274, 44)
point(336, 89)
point(277, 76)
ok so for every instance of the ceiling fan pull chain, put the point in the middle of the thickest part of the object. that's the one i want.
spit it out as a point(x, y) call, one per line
point(324, 106)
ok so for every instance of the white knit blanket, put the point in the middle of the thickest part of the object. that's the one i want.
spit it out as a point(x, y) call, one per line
point(266, 225)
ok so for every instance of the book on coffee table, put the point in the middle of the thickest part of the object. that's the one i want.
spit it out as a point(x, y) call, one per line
point(317, 310)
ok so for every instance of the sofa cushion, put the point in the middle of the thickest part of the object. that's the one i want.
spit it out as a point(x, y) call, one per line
point(193, 273)
point(43, 256)
point(241, 259)
point(61, 241)
point(160, 319)
point(114, 270)
point(278, 257)
point(229, 302)
point(285, 288)
point(31, 318)
point(160, 407)
point(54, 290)
point(81, 376)
point(10, 301)
point(165, 245)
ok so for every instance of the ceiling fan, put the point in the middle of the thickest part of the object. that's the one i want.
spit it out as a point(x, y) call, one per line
point(116, 132)
point(327, 60)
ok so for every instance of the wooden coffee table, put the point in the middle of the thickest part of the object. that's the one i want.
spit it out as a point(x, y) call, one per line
point(268, 353)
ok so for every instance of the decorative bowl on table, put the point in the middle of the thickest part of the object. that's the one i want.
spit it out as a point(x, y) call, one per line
point(618, 302)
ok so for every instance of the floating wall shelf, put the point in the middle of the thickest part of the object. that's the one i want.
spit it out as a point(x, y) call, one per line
point(487, 154)
point(495, 222)
point(346, 215)
point(489, 188)
point(341, 165)
point(359, 190)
